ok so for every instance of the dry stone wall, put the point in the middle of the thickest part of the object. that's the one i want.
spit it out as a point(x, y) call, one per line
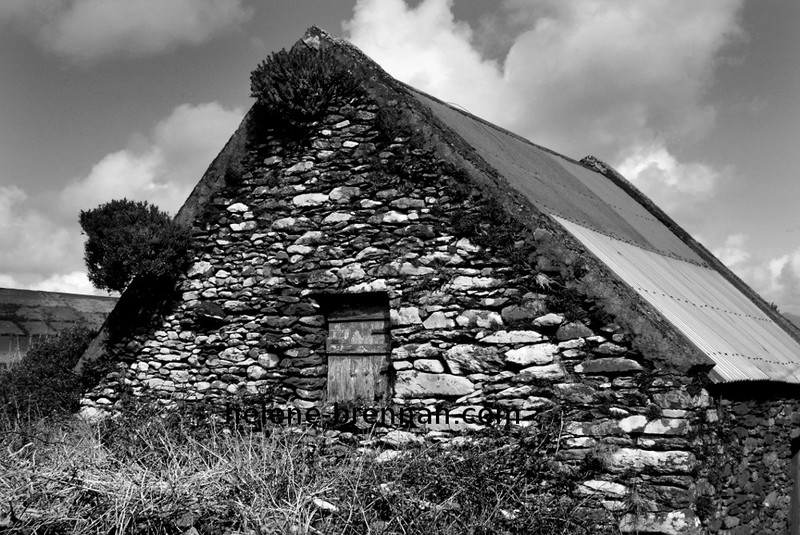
point(751, 474)
point(473, 325)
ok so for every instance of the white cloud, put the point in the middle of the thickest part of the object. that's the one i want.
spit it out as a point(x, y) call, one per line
point(586, 76)
point(164, 171)
point(776, 279)
point(89, 30)
point(618, 79)
point(32, 242)
point(428, 49)
point(670, 183)
point(74, 282)
point(733, 252)
point(43, 249)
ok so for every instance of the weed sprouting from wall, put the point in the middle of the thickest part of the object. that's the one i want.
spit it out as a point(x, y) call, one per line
point(296, 87)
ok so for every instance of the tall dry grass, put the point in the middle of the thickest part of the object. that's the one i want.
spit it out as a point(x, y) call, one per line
point(162, 475)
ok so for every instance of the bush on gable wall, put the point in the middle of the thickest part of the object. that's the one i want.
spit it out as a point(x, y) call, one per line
point(298, 86)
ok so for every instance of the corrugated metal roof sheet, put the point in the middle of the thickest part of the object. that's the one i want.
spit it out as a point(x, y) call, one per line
point(720, 320)
point(557, 186)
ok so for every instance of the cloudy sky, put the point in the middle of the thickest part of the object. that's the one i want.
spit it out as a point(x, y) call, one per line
point(698, 103)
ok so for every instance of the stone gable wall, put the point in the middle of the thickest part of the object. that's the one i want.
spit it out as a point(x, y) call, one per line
point(473, 325)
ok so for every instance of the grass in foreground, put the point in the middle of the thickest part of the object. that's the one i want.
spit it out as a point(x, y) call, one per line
point(150, 475)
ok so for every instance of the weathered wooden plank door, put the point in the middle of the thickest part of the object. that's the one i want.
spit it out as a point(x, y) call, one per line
point(358, 348)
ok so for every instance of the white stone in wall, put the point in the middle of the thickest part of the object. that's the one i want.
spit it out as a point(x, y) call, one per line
point(311, 237)
point(343, 194)
point(515, 392)
point(443, 257)
point(468, 358)
point(667, 426)
point(572, 344)
point(232, 354)
point(407, 268)
point(300, 167)
point(609, 348)
point(268, 360)
point(399, 439)
point(428, 365)
point(535, 354)
point(256, 372)
point(633, 424)
point(512, 337)
point(378, 285)
point(414, 383)
point(337, 217)
point(200, 269)
point(284, 223)
point(482, 318)
point(179, 376)
point(474, 283)
point(549, 371)
point(299, 249)
point(352, 273)
point(309, 199)
point(393, 216)
point(549, 320)
point(238, 207)
point(405, 316)
point(625, 459)
point(467, 246)
point(247, 225)
point(159, 383)
point(427, 351)
point(438, 320)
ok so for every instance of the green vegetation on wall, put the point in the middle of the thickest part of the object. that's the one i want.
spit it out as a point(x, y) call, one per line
point(296, 87)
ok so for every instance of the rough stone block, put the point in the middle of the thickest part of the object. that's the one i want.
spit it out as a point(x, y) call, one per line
point(573, 330)
point(535, 354)
point(608, 366)
point(474, 283)
point(438, 320)
point(428, 365)
point(309, 199)
point(670, 523)
point(512, 337)
point(482, 318)
point(468, 358)
point(663, 462)
point(597, 486)
point(414, 383)
point(549, 371)
point(549, 320)
point(405, 316)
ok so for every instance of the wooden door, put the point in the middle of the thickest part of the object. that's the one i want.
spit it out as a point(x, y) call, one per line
point(358, 348)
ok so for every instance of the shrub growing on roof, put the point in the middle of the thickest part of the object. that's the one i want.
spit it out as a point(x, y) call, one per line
point(127, 239)
point(298, 86)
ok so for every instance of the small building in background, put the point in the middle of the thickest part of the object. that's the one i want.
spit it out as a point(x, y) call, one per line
point(26, 315)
